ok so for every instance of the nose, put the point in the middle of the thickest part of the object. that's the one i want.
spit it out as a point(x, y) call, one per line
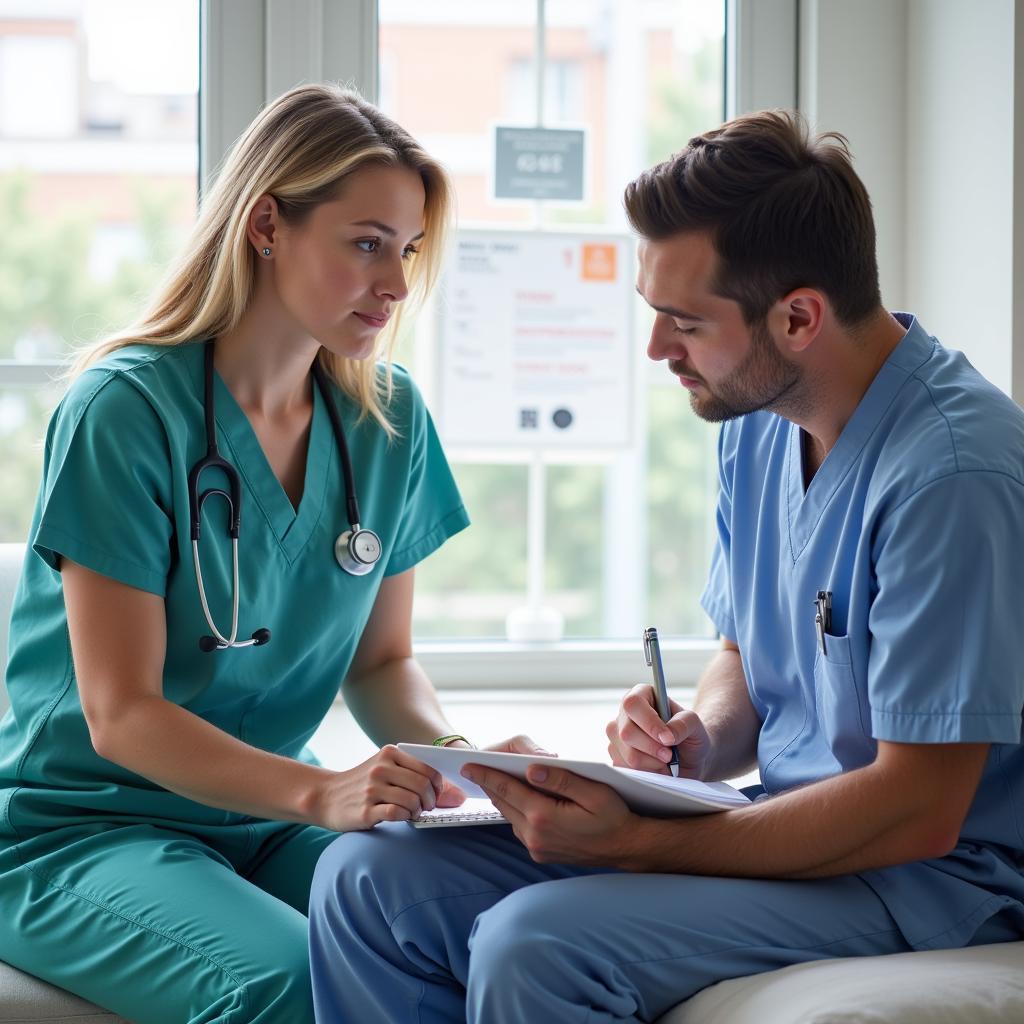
point(392, 284)
point(664, 342)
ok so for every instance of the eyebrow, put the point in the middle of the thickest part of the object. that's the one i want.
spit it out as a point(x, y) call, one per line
point(679, 314)
point(384, 229)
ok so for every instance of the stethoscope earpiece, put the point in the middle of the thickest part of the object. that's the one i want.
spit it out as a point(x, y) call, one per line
point(357, 550)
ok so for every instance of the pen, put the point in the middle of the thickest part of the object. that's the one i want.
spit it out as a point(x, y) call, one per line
point(823, 617)
point(652, 652)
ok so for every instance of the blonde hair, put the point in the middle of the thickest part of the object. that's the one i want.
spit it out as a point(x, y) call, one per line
point(300, 149)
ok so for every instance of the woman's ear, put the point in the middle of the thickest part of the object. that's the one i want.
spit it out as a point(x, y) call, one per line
point(261, 229)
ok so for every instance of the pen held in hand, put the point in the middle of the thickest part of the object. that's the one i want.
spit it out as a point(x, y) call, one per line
point(652, 652)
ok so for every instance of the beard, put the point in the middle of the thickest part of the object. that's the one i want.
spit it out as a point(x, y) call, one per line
point(759, 382)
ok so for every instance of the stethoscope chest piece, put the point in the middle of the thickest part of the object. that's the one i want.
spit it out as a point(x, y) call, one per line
point(357, 550)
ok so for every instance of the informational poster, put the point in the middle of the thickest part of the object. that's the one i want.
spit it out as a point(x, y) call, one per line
point(535, 340)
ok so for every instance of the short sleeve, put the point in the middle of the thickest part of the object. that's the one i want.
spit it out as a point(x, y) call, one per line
point(946, 661)
point(716, 599)
point(104, 499)
point(433, 510)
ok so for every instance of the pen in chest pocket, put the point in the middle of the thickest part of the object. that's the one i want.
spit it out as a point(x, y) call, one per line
point(823, 617)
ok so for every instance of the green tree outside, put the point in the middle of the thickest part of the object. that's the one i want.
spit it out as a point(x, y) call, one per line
point(49, 305)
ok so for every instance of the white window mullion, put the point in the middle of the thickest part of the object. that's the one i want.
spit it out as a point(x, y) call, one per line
point(761, 55)
point(350, 46)
point(231, 77)
point(294, 50)
point(35, 376)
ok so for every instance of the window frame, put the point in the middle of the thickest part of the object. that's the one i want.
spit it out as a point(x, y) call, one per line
point(764, 27)
point(253, 49)
point(251, 52)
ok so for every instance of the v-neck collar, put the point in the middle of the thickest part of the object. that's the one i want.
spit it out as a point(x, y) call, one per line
point(805, 508)
point(291, 526)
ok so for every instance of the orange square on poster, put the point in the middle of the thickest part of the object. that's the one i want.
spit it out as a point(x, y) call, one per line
point(598, 261)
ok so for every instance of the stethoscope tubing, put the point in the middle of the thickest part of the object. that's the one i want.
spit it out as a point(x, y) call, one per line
point(222, 640)
point(351, 500)
point(347, 553)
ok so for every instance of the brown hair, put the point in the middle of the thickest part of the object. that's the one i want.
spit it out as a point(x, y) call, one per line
point(784, 209)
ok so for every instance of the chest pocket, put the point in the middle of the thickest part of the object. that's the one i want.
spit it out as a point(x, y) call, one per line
point(844, 715)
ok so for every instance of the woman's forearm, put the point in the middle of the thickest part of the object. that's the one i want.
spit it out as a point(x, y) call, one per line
point(396, 702)
point(187, 755)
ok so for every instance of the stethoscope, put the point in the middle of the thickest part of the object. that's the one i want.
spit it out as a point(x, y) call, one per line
point(356, 550)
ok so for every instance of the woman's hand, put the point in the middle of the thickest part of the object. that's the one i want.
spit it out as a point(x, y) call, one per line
point(520, 745)
point(638, 738)
point(391, 786)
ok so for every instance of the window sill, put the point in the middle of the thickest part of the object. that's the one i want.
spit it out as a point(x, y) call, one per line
point(593, 664)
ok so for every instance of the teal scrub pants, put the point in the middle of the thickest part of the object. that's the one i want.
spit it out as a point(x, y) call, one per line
point(167, 923)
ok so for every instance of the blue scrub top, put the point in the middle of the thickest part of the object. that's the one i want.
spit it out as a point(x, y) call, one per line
point(915, 523)
point(114, 498)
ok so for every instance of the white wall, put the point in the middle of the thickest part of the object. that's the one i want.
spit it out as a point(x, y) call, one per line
point(851, 80)
point(959, 177)
point(925, 92)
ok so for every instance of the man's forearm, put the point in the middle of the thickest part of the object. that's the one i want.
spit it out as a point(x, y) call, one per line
point(723, 704)
point(848, 823)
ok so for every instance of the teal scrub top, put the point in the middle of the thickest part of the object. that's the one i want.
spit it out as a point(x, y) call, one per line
point(114, 498)
point(915, 523)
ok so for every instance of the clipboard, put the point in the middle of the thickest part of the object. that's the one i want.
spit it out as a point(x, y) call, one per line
point(661, 796)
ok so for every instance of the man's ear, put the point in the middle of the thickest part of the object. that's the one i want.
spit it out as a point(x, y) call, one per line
point(797, 319)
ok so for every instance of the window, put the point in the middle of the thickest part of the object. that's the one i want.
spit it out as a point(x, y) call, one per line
point(98, 183)
point(563, 92)
point(628, 532)
point(102, 173)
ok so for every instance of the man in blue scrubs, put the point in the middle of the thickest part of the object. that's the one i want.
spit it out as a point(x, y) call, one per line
point(868, 588)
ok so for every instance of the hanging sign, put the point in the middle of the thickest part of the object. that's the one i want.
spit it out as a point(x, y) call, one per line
point(535, 340)
point(538, 163)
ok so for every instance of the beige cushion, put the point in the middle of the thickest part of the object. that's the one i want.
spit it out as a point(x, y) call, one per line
point(978, 985)
point(25, 999)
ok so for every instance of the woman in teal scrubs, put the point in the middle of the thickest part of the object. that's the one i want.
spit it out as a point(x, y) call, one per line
point(160, 815)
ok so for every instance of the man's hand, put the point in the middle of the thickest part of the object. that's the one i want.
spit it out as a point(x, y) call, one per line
point(638, 738)
point(450, 794)
point(565, 820)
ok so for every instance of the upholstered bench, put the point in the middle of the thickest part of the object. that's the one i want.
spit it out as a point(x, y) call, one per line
point(978, 985)
point(982, 985)
point(27, 1000)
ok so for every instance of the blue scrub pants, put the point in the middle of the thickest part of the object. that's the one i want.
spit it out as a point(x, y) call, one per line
point(167, 924)
point(459, 924)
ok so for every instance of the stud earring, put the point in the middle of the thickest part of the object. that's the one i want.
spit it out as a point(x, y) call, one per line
point(266, 252)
